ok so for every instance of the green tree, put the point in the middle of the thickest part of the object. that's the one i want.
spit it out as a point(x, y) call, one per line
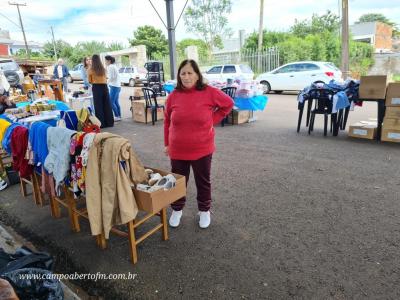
point(207, 18)
point(270, 39)
point(200, 44)
point(154, 40)
point(373, 17)
point(327, 22)
point(63, 49)
point(114, 46)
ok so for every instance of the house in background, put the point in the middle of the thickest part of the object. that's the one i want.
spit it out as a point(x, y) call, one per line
point(378, 34)
point(9, 46)
point(5, 42)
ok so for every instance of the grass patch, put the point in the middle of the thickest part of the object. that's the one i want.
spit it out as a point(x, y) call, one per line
point(396, 77)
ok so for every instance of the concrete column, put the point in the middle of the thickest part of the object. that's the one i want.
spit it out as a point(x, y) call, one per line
point(141, 56)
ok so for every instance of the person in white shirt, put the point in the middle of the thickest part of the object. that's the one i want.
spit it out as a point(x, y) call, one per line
point(61, 72)
point(114, 83)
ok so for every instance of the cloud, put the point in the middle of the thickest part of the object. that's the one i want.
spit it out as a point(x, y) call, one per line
point(106, 20)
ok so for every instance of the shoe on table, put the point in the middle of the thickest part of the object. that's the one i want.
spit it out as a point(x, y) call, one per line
point(205, 219)
point(3, 184)
point(175, 218)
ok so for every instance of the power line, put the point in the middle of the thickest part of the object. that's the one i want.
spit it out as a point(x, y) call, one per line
point(9, 20)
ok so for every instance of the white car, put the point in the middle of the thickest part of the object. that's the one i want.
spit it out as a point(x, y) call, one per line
point(132, 75)
point(223, 72)
point(76, 73)
point(298, 75)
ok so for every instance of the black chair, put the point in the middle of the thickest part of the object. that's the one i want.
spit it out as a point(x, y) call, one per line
point(151, 103)
point(231, 92)
point(323, 106)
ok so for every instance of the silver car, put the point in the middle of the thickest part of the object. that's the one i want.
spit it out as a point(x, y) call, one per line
point(75, 74)
point(11, 71)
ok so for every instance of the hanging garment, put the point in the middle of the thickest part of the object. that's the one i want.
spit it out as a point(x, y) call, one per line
point(19, 144)
point(109, 196)
point(58, 159)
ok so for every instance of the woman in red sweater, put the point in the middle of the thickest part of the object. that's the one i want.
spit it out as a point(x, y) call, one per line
point(192, 110)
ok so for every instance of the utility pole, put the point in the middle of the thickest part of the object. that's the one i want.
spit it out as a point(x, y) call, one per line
point(54, 43)
point(345, 39)
point(260, 34)
point(22, 26)
point(171, 37)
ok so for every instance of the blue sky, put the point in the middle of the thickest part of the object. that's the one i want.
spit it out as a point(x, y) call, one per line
point(110, 21)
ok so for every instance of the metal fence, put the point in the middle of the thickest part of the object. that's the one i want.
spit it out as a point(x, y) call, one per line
point(259, 61)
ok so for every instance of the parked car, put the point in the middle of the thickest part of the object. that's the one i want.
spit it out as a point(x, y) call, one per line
point(75, 74)
point(11, 71)
point(223, 72)
point(131, 75)
point(297, 75)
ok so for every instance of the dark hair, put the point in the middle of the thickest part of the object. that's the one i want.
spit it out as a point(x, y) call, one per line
point(97, 66)
point(85, 65)
point(110, 58)
point(200, 85)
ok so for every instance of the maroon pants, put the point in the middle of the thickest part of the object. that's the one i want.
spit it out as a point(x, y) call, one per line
point(201, 171)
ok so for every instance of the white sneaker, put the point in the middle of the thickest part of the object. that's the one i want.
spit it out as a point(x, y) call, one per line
point(3, 184)
point(175, 218)
point(117, 119)
point(205, 219)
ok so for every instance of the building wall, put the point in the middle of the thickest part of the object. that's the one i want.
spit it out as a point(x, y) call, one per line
point(383, 36)
point(4, 49)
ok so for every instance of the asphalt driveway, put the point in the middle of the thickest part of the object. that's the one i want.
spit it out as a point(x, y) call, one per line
point(294, 216)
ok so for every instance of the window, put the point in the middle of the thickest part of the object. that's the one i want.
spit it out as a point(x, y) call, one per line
point(229, 69)
point(215, 70)
point(128, 70)
point(245, 69)
point(285, 69)
point(121, 70)
point(8, 65)
point(310, 67)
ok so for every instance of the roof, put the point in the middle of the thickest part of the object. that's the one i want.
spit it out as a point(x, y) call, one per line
point(6, 41)
point(368, 28)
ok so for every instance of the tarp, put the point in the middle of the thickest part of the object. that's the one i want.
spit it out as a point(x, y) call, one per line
point(253, 103)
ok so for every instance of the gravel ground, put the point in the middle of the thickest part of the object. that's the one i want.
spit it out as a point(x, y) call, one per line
point(294, 216)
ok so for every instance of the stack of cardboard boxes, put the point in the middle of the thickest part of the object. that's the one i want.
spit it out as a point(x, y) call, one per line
point(391, 122)
point(371, 87)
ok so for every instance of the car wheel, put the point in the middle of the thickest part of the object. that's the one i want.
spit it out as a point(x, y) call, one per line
point(266, 87)
point(131, 82)
point(69, 79)
point(278, 92)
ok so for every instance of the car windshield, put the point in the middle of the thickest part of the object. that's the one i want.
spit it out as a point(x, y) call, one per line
point(245, 69)
point(8, 65)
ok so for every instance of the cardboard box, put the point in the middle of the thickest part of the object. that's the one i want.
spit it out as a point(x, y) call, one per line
point(391, 123)
point(138, 111)
point(393, 94)
point(392, 112)
point(363, 130)
point(155, 201)
point(373, 87)
point(390, 135)
point(137, 94)
point(239, 116)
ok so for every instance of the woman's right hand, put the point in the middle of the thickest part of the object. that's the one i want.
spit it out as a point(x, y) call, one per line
point(166, 151)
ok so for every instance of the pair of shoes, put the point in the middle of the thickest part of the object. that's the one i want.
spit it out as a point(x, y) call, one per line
point(204, 222)
point(117, 119)
point(3, 184)
point(175, 218)
point(205, 219)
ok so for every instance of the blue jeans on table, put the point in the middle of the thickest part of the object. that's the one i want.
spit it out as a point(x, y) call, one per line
point(114, 97)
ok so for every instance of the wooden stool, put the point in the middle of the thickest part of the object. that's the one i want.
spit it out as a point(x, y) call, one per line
point(75, 213)
point(34, 182)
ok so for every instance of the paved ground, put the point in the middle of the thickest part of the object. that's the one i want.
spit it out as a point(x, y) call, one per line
point(294, 216)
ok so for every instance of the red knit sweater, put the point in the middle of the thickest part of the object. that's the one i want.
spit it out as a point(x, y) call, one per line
point(189, 119)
